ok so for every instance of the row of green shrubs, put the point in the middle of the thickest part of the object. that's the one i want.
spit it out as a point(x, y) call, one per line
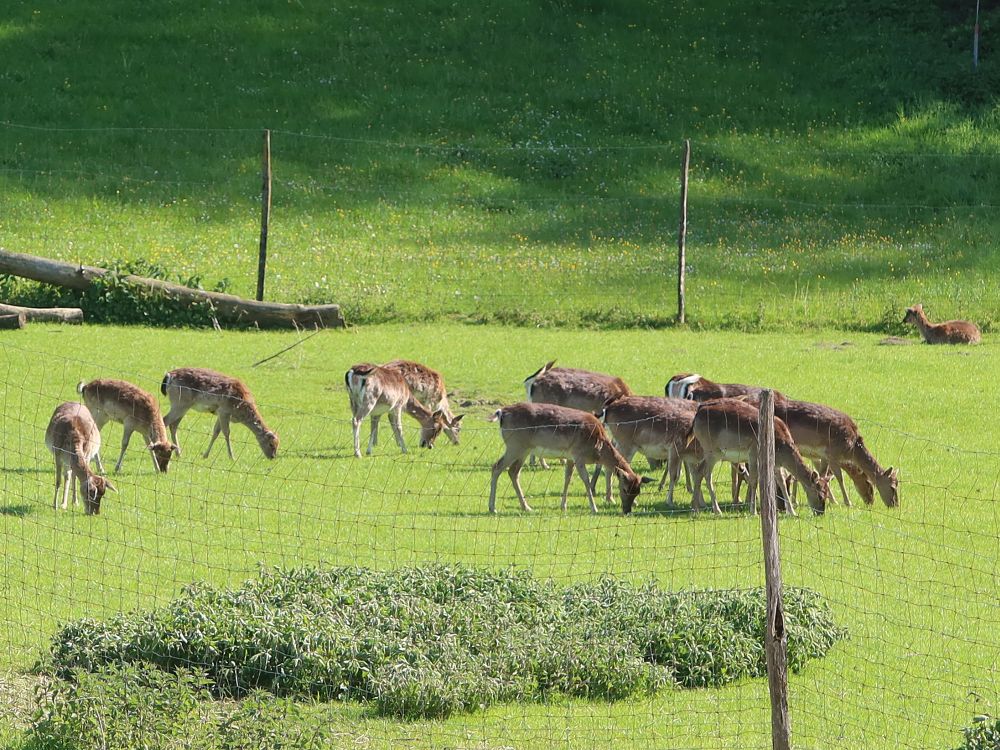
point(431, 641)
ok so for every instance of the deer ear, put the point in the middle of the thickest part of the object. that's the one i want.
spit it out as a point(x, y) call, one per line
point(110, 486)
point(646, 480)
point(457, 419)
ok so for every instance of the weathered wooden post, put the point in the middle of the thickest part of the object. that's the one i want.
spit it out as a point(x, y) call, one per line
point(775, 637)
point(682, 232)
point(265, 214)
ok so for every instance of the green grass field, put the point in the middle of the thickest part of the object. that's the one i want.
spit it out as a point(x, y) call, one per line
point(844, 157)
point(915, 587)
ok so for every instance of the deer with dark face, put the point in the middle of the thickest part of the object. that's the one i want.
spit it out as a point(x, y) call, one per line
point(831, 438)
point(226, 397)
point(949, 332)
point(427, 387)
point(73, 440)
point(375, 390)
point(657, 428)
point(727, 430)
point(560, 432)
point(138, 411)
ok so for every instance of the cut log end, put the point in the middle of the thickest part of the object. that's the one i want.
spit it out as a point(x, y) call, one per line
point(13, 320)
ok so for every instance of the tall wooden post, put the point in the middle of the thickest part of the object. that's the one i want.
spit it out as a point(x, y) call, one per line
point(265, 214)
point(682, 232)
point(775, 637)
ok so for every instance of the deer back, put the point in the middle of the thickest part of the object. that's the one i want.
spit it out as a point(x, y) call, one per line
point(577, 389)
point(648, 423)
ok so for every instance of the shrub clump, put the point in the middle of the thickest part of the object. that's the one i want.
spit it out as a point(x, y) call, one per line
point(984, 734)
point(432, 641)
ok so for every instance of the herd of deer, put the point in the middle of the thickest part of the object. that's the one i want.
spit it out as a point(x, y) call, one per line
point(585, 417)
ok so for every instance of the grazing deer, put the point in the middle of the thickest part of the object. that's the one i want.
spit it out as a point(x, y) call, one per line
point(727, 430)
point(226, 397)
point(573, 388)
point(558, 431)
point(831, 438)
point(375, 390)
point(137, 410)
point(949, 332)
point(73, 440)
point(427, 387)
point(697, 388)
point(658, 428)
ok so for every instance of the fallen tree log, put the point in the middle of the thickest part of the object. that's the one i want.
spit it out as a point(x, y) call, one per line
point(12, 320)
point(45, 314)
point(225, 307)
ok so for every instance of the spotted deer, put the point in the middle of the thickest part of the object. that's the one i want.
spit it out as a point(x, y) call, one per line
point(727, 431)
point(949, 332)
point(375, 390)
point(138, 411)
point(73, 440)
point(658, 428)
point(226, 397)
point(560, 432)
point(427, 387)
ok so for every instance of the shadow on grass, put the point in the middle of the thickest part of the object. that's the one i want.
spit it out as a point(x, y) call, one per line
point(17, 511)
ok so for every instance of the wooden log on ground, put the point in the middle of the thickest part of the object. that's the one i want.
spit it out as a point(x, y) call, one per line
point(12, 320)
point(226, 307)
point(45, 314)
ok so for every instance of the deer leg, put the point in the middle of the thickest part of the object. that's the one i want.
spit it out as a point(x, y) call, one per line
point(568, 475)
point(514, 471)
point(59, 476)
point(69, 488)
point(786, 497)
point(840, 480)
point(396, 422)
point(581, 469)
point(498, 468)
point(702, 472)
point(171, 420)
point(607, 486)
point(373, 433)
point(126, 436)
point(216, 429)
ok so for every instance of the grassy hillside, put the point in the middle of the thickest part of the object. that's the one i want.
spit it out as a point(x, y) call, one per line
point(516, 160)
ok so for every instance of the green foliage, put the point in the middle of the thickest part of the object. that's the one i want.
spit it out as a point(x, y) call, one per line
point(113, 299)
point(984, 734)
point(431, 641)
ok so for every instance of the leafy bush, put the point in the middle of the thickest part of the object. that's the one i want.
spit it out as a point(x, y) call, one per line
point(431, 641)
point(984, 734)
point(112, 299)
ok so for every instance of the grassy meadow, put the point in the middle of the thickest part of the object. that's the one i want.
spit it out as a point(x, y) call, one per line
point(844, 157)
point(915, 587)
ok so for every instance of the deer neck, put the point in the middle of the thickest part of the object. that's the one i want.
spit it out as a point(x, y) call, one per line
point(418, 411)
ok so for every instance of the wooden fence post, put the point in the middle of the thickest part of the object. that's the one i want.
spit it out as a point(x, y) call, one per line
point(682, 232)
point(265, 214)
point(775, 637)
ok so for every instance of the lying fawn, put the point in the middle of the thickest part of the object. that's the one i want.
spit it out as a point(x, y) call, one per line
point(427, 387)
point(558, 431)
point(73, 440)
point(137, 410)
point(949, 332)
point(226, 397)
point(375, 390)
point(727, 430)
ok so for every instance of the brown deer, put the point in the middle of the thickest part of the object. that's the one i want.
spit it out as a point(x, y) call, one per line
point(949, 332)
point(698, 388)
point(558, 431)
point(427, 387)
point(226, 397)
point(727, 430)
point(137, 410)
point(375, 390)
point(831, 438)
point(73, 440)
point(573, 388)
point(658, 428)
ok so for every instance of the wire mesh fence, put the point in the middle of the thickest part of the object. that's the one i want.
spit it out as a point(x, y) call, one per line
point(912, 589)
